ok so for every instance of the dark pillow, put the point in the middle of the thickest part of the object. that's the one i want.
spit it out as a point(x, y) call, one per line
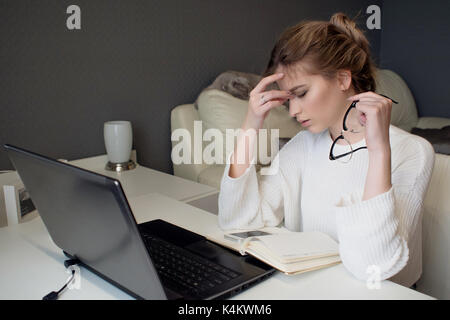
point(282, 142)
point(439, 138)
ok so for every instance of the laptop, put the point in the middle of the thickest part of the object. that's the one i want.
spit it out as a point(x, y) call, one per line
point(88, 216)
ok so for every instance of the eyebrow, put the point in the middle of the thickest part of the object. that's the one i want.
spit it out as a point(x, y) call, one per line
point(296, 87)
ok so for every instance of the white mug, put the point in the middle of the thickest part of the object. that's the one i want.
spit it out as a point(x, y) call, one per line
point(118, 140)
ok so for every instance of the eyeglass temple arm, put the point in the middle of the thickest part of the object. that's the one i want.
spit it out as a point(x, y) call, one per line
point(388, 98)
point(353, 105)
point(332, 157)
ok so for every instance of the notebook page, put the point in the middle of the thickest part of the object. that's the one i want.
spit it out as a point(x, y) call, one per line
point(300, 244)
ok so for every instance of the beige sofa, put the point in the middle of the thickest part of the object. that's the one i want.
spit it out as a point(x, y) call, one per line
point(220, 110)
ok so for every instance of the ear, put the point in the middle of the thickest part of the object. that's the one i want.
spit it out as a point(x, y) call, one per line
point(344, 79)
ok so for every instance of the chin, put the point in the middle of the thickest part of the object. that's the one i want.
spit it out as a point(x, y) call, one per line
point(313, 129)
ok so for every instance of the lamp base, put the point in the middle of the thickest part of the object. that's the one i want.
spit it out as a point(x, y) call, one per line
point(118, 167)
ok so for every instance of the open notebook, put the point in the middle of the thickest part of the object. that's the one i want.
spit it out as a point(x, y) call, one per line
point(289, 252)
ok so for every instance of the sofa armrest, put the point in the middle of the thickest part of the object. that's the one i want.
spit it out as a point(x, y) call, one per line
point(183, 117)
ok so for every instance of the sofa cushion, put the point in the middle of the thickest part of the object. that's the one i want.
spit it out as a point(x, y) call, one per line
point(212, 176)
point(439, 138)
point(404, 114)
point(432, 122)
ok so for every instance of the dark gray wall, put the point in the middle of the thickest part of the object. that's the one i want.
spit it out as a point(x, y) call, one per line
point(415, 43)
point(131, 60)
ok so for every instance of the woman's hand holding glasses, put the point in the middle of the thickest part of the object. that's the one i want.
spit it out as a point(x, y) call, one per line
point(376, 117)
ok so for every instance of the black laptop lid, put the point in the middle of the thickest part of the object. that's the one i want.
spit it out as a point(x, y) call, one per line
point(87, 215)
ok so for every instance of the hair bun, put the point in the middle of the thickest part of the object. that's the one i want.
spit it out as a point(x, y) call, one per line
point(348, 26)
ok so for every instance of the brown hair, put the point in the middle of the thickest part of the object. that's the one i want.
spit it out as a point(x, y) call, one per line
point(326, 47)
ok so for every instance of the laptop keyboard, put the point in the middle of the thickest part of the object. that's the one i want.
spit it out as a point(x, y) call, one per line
point(183, 271)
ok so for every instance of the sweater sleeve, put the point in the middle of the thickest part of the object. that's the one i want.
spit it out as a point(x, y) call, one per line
point(253, 201)
point(375, 232)
point(245, 202)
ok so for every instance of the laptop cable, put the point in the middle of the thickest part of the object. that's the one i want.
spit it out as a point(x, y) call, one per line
point(55, 294)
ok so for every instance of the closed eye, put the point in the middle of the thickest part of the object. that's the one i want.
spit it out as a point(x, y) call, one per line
point(302, 95)
point(286, 104)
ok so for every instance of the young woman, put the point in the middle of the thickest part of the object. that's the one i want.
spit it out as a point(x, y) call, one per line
point(370, 203)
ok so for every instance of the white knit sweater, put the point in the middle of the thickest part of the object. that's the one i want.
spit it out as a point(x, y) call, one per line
point(313, 193)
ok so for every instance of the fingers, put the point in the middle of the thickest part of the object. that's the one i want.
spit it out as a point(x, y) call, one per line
point(371, 96)
point(371, 106)
point(365, 94)
point(271, 95)
point(373, 102)
point(261, 86)
point(370, 102)
point(374, 110)
point(271, 104)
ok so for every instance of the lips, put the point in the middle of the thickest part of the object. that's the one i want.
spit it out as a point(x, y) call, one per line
point(305, 123)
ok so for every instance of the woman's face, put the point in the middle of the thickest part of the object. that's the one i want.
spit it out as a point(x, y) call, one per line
point(319, 100)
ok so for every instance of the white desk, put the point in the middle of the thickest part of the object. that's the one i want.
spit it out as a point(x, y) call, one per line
point(31, 265)
point(140, 181)
point(143, 180)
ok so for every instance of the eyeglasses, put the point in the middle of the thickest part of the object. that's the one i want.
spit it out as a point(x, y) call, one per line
point(352, 126)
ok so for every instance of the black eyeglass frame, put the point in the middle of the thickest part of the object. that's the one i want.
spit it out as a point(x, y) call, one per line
point(353, 105)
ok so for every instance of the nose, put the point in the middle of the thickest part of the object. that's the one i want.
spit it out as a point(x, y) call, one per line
point(294, 108)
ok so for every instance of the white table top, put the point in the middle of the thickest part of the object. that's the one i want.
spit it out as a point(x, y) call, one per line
point(142, 180)
point(31, 265)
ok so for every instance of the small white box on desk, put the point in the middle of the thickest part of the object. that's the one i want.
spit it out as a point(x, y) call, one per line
point(5, 179)
point(15, 202)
